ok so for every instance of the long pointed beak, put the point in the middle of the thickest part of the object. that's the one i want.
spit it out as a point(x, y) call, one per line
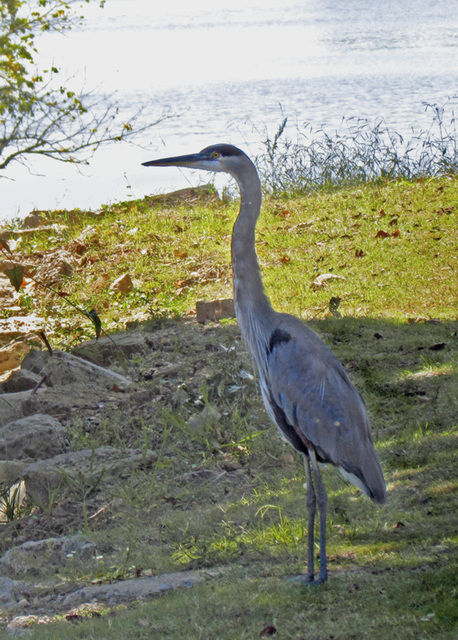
point(193, 160)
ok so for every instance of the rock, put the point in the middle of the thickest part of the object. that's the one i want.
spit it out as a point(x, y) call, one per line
point(64, 369)
point(123, 284)
point(34, 558)
point(107, 350)
point(19, 380)
point(86, 468)
point(7, 291)
point(203, 193)
point(215, 310)
point(19, 623)
point(11, 471)
point(72, 383)
point(51, 597)
point(63, 402)
point(12, 354)
point(12, 406)
point(35, 361)
point(35, 219)
point(138, 589)
point(8, 265)
point(9, 593)
point(36, 437)
point(19, 327)
point(55, 266)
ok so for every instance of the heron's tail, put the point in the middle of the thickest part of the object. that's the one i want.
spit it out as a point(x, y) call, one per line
point(368, 476)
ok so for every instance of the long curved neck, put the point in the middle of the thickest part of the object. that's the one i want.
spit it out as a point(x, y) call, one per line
point(252, 307)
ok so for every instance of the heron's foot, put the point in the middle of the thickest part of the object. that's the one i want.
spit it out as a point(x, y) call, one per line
point(310, 581)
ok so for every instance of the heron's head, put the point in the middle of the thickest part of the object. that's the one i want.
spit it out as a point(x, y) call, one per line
point(218, 157)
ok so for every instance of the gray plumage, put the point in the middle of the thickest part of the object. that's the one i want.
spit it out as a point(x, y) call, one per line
point(305, 389)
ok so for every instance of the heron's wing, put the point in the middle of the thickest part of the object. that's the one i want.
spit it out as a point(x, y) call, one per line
point(312, 400)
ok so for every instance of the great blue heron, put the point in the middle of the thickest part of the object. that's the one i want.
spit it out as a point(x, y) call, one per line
point(304, 387)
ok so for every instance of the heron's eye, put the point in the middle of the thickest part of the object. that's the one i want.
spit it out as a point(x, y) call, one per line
point(215, 154)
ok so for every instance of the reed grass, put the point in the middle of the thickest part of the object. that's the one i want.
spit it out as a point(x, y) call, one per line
point(360, 151)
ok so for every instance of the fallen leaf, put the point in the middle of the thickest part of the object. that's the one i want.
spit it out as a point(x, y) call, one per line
point(359, 253)
point(73, 617)
point(382, 234)
point(444, 210)
point(321, 280)
point(270, 630)
point(396, 234)
point(438, 346)
point(427, 617)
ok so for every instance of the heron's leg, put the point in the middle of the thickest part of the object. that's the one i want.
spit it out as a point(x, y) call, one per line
point(322, 498)
point(311, 510)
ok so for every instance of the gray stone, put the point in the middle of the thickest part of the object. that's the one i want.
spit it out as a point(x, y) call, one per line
point(35, 437)
point(19, 624)
point(7, 291)
point(12, 406)
point(106, 350)
point(35, 361)
point(19, 327)
point(138, 589)
point(34, 558)
point(55, 266)
point(11, 471)
point(9, 593)
point(64, 370)
point(87, 468)
point(19, 380)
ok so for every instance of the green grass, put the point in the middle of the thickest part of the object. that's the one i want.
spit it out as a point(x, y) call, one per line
point(392, 246)
point(225, 491)
point(373, 609)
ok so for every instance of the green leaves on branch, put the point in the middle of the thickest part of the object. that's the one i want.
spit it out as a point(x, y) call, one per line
point(94, 317)
point(16, 276)
point(35, 117)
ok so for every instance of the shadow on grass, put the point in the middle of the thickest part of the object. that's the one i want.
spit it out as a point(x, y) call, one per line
point(228, 492)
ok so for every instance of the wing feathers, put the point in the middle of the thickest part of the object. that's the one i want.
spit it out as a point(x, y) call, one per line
point(313, 401)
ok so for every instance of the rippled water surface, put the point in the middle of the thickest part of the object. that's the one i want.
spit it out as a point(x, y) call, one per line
point(232, 69)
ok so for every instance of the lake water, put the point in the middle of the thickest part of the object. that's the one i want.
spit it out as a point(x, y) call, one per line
point(230, 70)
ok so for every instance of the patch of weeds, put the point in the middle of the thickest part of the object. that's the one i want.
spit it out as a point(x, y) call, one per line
point(359, 152)
point(12, 502)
